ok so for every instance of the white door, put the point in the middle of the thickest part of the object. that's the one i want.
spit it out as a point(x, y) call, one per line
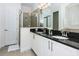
point(10, 23)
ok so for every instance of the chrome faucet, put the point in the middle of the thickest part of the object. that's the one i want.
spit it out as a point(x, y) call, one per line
point(64, 33)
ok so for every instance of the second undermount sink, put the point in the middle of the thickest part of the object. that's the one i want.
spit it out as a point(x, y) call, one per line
point(60, 37)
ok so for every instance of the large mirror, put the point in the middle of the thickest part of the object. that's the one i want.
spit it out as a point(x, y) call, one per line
point(55, 16)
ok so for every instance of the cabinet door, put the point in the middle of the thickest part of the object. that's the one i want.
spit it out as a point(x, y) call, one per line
point(36, 44)
point(33, 41)
point(46, 47)
point(62, 50)
point(41, 45)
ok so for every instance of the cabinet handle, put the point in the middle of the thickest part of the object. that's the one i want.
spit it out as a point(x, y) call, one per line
point(49, 45)
point(5, 30)
point(33, 36)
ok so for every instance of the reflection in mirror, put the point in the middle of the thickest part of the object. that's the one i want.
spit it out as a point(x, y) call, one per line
point(41, 23)
point(48, 21)
point(26, 20)
point(56, 20)
point(33, 20)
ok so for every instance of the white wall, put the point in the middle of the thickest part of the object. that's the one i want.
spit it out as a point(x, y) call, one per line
point(63, 21)
point(72, 16)
point(1, 26)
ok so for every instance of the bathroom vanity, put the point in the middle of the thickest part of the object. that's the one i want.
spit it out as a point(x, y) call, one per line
point(46, 45)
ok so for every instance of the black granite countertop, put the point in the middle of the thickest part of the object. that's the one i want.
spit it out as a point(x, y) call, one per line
point(67, 42)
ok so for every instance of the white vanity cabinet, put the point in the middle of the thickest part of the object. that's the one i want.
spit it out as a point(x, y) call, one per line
point(45, 47)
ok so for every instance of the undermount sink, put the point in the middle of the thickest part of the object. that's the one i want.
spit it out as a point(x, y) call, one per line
point(60, 37)
point(40, 32)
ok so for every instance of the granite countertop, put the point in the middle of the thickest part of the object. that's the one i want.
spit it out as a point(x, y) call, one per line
point(67, 42)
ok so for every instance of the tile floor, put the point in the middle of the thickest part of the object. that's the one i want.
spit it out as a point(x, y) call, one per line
point(4, 52)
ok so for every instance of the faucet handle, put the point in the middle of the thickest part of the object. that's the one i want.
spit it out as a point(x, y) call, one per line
point(64, 33)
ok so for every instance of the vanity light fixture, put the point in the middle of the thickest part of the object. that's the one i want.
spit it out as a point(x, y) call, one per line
point(43, 6)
